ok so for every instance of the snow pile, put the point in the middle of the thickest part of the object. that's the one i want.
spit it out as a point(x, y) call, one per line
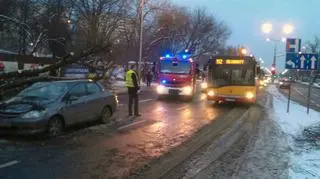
point(304, 161)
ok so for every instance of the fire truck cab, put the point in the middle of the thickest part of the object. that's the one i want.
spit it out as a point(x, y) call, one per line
point(176, 76)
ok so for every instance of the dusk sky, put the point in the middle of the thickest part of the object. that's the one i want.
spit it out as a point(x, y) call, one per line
point(244, 17)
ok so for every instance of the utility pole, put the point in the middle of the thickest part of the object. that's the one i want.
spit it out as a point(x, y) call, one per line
point(141, 37)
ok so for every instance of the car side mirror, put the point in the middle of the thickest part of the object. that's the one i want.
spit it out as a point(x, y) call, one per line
point(73, 98)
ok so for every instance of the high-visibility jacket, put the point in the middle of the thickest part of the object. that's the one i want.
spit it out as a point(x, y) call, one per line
point(129, 80)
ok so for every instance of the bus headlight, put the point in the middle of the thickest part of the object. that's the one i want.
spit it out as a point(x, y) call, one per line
point(160, 89)
point(249, 95)
point(211, 93)
point(204, 85)
point(187, 90)
point(262, 83)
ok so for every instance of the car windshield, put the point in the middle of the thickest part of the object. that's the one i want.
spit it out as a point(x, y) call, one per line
point(239, 76)
point(178, 67)
point(44, 91)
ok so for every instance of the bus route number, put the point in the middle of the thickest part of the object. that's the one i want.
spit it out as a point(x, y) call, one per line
point(219, 61)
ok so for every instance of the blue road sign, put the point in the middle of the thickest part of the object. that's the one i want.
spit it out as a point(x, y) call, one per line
point(293, 45)
point(302, 61)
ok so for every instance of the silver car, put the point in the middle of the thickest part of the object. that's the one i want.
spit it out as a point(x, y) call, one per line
point(51, 106)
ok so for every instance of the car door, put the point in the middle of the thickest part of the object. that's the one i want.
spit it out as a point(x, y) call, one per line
point(95, 100)
point(75, 104)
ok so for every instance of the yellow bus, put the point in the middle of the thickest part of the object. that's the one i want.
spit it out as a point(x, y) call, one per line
point(232, 79)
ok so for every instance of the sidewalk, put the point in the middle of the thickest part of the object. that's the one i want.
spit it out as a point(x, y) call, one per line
point(304, 153)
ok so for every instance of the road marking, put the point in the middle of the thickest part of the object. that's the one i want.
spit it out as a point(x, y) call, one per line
point(299, 92)
point(182, 108)
point(8, 164)
point(145, 100)
point(132, 124)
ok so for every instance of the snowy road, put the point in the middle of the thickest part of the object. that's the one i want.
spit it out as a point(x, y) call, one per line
point(275, 148)
point(299, 93)
point(102, 151)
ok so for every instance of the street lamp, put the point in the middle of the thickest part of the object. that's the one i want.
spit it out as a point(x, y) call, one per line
point(244, 51)
point(141, 36)
point(287, 29)
point(266, 28)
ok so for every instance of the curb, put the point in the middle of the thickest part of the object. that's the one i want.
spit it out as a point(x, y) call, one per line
point(216, 133)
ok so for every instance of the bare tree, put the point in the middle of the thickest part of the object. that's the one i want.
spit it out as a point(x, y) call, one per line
point(314, 45)
point(196, 30)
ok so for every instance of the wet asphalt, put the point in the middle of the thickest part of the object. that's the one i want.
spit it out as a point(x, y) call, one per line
point(299, 93)
point(109, 151)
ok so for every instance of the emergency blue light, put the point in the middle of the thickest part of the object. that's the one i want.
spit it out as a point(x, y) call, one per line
point(184, 56)
point(168, 55)
point(164, 81)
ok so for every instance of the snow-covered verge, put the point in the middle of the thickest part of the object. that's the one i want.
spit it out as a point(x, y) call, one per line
point(304, 159)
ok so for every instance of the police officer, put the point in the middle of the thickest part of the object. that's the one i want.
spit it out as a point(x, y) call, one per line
point(132, 83)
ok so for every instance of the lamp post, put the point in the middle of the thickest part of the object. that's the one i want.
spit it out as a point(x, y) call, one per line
point(267, 28)
point(141, 37)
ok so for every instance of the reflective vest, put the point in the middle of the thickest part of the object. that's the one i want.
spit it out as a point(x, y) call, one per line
point(129, 81)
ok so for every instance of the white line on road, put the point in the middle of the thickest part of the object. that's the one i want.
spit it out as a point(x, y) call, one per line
point(182, 108)
point(145, 100)
point(8, 164)
point(316, 95)
point(132, 124)
point(299, 92)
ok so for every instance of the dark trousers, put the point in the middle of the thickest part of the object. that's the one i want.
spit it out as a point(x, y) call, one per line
point(133, 100)
point(148, 82)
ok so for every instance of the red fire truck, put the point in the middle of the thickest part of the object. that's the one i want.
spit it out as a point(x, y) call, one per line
point(176, 76)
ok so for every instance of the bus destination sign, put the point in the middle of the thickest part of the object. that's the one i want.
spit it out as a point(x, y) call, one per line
point(229, 61)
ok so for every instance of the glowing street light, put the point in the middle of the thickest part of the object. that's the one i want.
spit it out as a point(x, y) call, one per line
point(283, 39)
point(266, 28)
point(244, 51)
point(287, 29)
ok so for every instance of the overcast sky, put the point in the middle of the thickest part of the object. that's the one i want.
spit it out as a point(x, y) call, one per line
point(244, 17)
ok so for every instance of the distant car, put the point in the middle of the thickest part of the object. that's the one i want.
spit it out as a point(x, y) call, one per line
point(49, 107)
point(284, 84)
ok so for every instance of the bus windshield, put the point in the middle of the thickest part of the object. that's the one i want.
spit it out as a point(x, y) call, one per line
point(234, 76)
point(177, 67)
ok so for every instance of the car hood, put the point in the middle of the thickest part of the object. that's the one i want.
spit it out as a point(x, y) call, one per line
point(22, 106)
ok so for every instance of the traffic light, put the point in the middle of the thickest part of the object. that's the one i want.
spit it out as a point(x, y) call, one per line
point(273, 70)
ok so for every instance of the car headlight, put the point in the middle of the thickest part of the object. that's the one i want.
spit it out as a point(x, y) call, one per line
point(261, 83)
point(249, 95)
point(281, 83)
point(204, 85)
point(211, 93)
point(33, 114)
point(160, 89)
point(187, 90)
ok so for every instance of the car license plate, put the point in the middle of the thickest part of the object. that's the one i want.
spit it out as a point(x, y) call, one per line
point(230, 99)
point(173, 91)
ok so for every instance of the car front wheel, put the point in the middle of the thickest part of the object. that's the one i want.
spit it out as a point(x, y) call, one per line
point(106, 115)
point(54, 127)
